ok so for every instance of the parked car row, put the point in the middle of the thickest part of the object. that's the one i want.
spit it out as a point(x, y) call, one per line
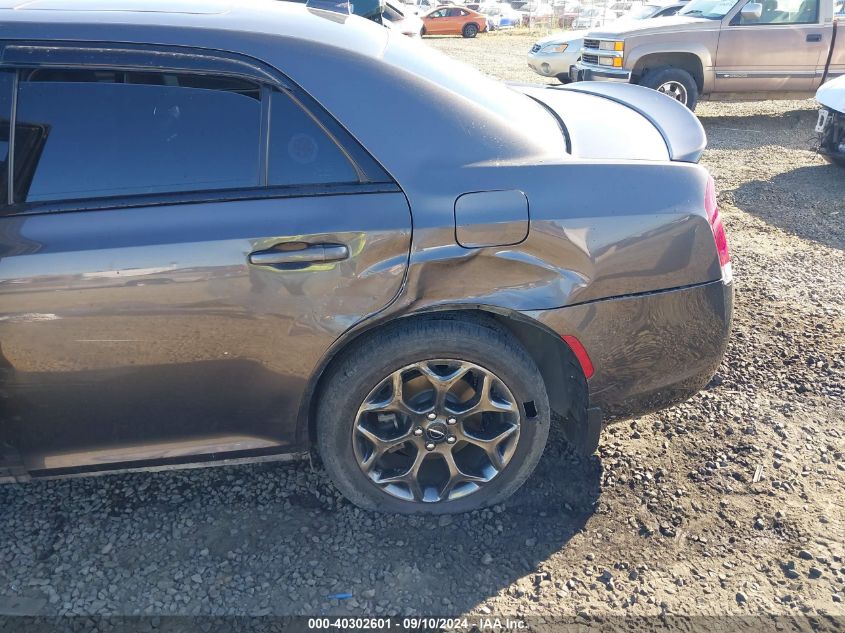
point(452, 17)
point(719, 48)
point(555, 55)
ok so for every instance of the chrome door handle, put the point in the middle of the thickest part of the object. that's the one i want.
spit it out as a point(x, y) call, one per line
point(315, 254)
point(814, 37)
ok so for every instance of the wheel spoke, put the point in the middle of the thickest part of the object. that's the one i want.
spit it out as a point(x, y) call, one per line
point(457, 476)
point(380, 445)
point(486, 401)
point(443, 384)
point(394, 402)
point(491, 446)
point(410, 477)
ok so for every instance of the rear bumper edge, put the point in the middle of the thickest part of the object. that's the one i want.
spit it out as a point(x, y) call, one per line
point(649, 351)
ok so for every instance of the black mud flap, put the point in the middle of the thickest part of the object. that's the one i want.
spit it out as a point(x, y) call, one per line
point(585, 439)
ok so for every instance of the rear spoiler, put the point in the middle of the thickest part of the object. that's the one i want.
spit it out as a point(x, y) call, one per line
point(680, 128)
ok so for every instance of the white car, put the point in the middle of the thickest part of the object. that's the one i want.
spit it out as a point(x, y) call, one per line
point(654, 9)
point(625, 6)
point(831, 124)
point(553, 55)
point(500, 15)
point(399, 17)
point(419, 7)
point(537, 8)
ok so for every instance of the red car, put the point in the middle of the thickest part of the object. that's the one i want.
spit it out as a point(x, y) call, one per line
point(454, 21)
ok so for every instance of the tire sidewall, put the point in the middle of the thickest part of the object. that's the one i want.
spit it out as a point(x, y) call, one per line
point(336, 430)
point(470, 30)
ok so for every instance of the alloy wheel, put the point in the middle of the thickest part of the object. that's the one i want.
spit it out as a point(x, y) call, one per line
point(436, 430)
point(674, 89)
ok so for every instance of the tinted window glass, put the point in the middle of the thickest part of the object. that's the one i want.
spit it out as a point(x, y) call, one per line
point(300, 151)
point(83, 134)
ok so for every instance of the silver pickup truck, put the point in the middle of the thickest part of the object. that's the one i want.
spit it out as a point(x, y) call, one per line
point(722, 49)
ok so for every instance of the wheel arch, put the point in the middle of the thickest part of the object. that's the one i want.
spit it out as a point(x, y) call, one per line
point(563, 377)
point(688, 61)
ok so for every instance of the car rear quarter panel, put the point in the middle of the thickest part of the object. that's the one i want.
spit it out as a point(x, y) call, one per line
point(649, 351)
point(588, 239)
point(631, 268)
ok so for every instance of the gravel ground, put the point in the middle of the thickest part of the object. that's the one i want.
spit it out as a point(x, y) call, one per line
point(731, 503)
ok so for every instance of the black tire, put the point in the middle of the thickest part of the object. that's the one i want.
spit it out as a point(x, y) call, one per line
point(422, 32)
point(470, 30)
point(360, 369)
point(563, 78)
point(658, 77)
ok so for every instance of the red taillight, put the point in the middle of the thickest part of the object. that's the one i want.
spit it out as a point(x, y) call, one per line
point(580, 354)
point(712, 208)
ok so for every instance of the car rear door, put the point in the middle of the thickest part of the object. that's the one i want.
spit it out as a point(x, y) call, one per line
point(780, 51)
point(185, 236)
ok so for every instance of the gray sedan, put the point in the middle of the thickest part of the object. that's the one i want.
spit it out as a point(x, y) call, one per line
point(213, 251)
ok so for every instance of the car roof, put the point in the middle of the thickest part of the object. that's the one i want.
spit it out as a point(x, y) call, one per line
point(140, 20)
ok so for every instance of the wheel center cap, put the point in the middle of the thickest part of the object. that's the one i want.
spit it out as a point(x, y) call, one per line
point(437, 431)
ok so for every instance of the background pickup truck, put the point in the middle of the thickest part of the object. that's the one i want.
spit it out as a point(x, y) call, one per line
point(722, 48)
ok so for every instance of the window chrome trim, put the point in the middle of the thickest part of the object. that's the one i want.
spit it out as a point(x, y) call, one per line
point(128, 57)
point(198, 197)
point(10, 158)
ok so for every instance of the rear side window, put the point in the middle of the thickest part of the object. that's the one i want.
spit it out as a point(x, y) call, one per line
point(301, 152)
point(91, 134)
